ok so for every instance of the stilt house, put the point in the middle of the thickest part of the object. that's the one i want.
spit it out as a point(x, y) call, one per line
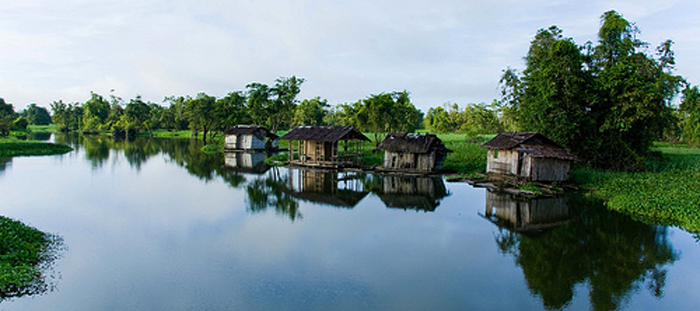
point(319, 145)
point(250, 137)
point(413, 152)
point(531, 156)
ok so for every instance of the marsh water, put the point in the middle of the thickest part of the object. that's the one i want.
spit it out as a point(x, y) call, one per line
point(155, 224)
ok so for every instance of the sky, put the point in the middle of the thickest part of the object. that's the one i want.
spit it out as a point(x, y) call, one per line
point(441, 51)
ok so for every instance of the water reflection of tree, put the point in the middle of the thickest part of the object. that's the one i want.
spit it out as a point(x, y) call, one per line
point(26, 259)
point(4, 163)
point(272, 191)
point(610, 252)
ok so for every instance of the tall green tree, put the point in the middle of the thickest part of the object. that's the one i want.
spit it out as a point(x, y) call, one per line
point(607, 103)
point(273, 106)
point(7, 117)
point(690, 114)
point(311, 112)
point(387, 112)
point(201, 113)
point(95, 113)
point(37, 115)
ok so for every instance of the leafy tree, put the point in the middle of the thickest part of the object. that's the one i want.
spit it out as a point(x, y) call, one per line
point(176, 115)
point(344, 114)
point(230, 111)
point(7, 117)
point(387, 112)
point(136, 114)
point(282, 109)
point(606, 104)
point(20, 124)
point(201, 114)
point(273, 107)
point(690, 114)
point(311, 112)
point(95, 113)
point(37, 115)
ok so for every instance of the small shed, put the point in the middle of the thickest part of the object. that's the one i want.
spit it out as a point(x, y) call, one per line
point(250, 137)
point(319, 145)
point(528, 155)
point(413, 152)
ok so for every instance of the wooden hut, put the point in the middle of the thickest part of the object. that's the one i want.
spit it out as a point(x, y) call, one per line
point(319, 145)
point(531, 156)
point(250, 137)
point(413, 152)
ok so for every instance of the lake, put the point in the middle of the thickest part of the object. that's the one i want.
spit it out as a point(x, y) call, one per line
point(155, 224)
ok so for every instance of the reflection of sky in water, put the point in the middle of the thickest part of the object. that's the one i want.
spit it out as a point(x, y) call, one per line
point(158, 238)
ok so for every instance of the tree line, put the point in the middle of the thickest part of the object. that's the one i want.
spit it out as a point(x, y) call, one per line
point(275, 107)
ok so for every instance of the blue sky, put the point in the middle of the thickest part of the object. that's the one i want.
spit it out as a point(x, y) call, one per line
point(440, 51)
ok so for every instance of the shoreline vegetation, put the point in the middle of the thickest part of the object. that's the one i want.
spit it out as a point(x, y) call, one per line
point(19, 143)
point(668, 192)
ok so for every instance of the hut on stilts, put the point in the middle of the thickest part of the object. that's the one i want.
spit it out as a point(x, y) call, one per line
point(320, 146)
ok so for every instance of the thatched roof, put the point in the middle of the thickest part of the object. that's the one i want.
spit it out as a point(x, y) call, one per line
point(324, 133)
point(534, 144)
point(244, 129)
point(412, 143)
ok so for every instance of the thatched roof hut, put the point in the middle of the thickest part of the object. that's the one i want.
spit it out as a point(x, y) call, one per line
point(413, 152)
point(528, 155)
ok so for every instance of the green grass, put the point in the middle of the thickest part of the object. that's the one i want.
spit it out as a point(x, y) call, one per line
point(467, 159)
point(668, 193)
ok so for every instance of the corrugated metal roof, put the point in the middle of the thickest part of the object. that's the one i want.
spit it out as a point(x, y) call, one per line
point(324, 133)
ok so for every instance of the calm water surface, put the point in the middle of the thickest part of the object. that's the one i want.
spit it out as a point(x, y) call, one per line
point(157, 225)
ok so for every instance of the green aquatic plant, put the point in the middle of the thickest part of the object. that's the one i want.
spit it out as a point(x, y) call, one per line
point(26, 256)
point(13, 148)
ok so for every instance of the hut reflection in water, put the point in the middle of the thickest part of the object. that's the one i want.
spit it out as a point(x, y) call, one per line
point(418, 193)
point(247, 162)
point(338, 189)
point(525, 215)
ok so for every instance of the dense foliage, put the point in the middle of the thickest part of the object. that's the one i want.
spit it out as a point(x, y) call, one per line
point(607, 103)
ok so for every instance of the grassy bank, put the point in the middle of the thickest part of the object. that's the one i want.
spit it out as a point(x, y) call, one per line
point(467, 159)
point(669, 193)
point(17, 145)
